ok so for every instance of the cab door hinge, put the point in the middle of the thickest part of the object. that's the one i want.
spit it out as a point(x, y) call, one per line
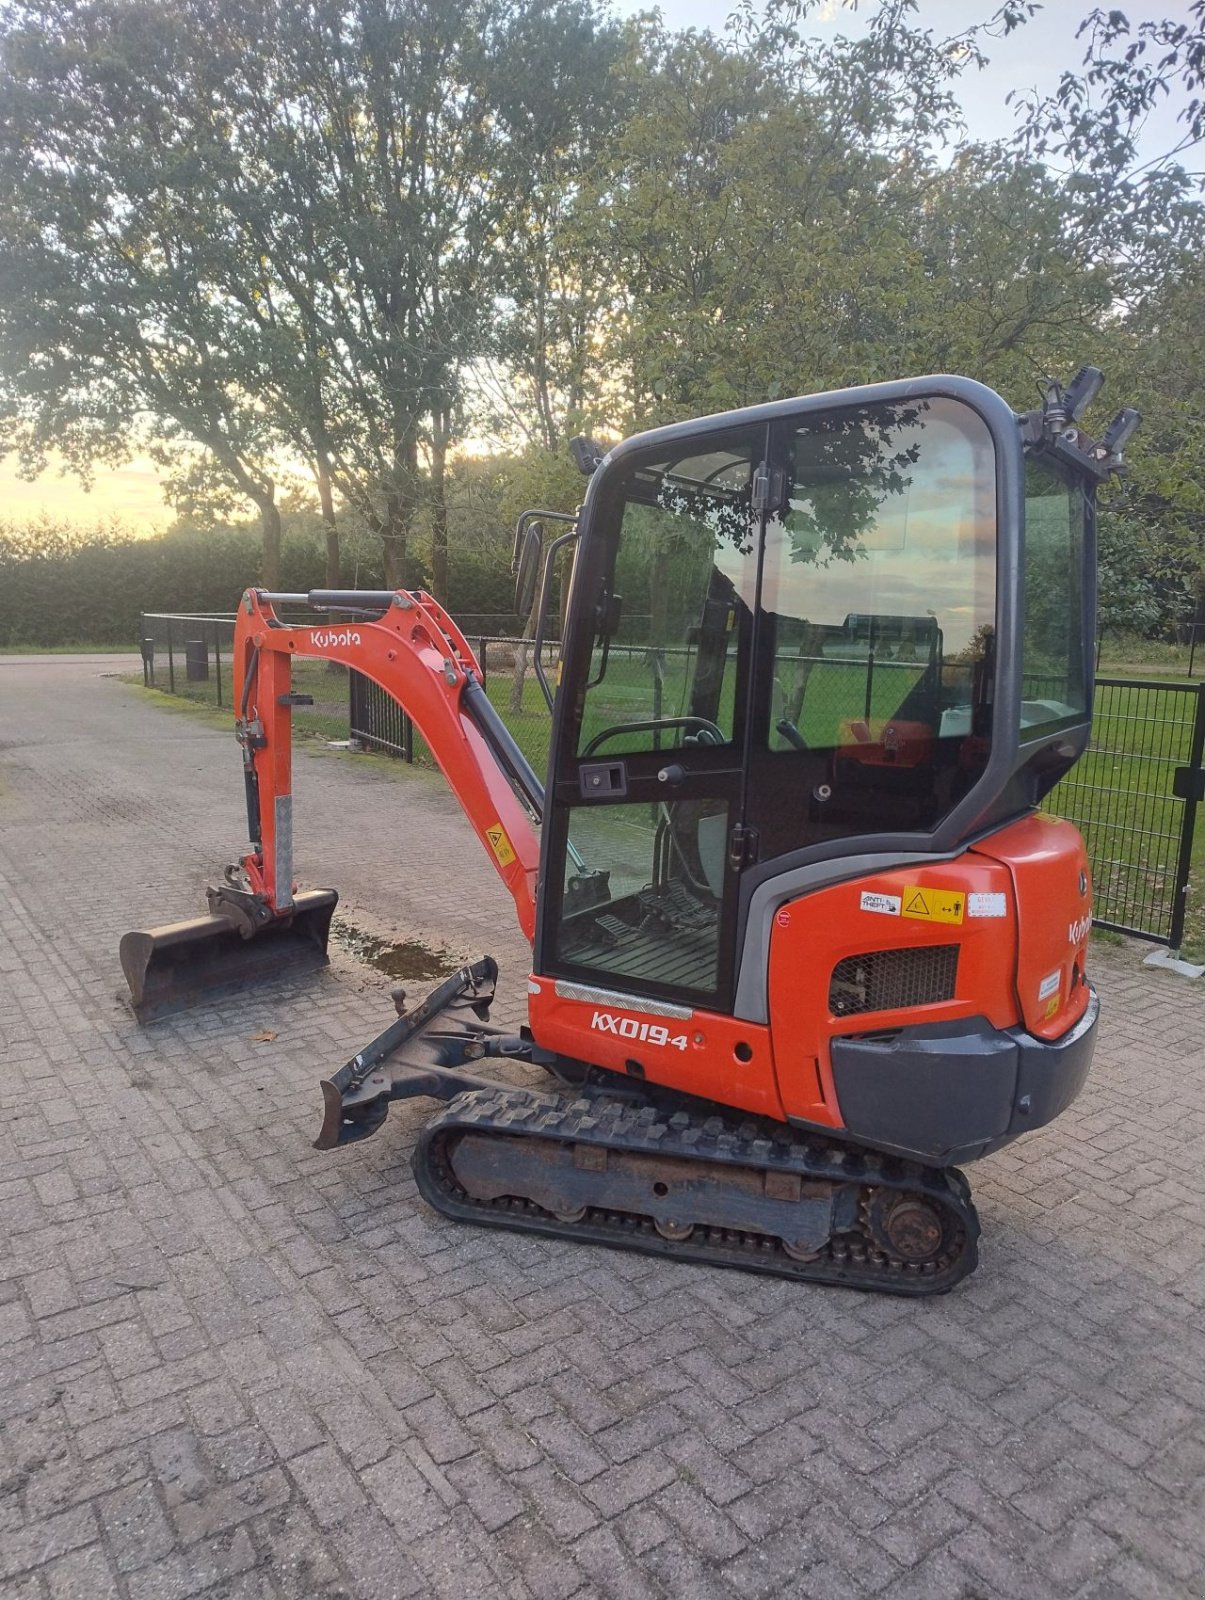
point(769, 489)
point(742, 846)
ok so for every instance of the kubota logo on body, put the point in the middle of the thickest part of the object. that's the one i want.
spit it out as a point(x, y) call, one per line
point(324, 638)
point(1079, 930)
point(629, 1028)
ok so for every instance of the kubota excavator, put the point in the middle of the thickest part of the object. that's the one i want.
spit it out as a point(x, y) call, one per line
point(801, 939)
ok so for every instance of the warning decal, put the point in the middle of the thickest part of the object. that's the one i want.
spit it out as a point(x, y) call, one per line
point(500, 844)
point(987, 905)
point(933, 905)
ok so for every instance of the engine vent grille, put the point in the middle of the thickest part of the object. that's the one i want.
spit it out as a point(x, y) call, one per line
point(890, 980)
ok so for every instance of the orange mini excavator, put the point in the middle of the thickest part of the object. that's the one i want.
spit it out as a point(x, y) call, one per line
point(801, 938)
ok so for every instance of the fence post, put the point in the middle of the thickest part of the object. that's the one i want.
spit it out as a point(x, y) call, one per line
point(171, 663)
point(407, 737)
point(1192, 798)
point(146, 645)
point(1192, 645)
point(217, 658)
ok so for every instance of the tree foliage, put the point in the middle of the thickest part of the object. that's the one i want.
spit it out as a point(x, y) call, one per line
point(329, 241)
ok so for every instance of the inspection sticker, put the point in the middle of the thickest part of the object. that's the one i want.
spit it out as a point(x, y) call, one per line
point(500, 844)
point(1049, 986)
point(987, 905)
point(933, 905)
point(888, 905)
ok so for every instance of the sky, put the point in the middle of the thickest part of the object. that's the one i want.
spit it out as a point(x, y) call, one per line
point(1033, 57)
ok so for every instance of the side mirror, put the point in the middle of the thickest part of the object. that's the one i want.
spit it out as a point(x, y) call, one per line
point(527, 568)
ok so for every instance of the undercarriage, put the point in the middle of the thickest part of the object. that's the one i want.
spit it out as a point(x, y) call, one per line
point(609, 1161)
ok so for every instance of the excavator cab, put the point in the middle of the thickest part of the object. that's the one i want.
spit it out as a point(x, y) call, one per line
point(809, 669)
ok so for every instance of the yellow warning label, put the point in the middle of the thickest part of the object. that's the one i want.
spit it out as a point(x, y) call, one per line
point(1051, 1007)
point(933, 905)
point(500, 844)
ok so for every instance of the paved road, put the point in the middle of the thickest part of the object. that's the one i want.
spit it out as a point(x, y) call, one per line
point(233, 1366)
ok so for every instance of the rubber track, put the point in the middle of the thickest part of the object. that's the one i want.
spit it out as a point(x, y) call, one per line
point(850, 1259)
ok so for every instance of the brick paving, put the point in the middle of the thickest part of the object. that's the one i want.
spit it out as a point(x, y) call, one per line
point(232, 1366)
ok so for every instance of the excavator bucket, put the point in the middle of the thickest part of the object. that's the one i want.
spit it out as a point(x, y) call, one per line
point(174, 966)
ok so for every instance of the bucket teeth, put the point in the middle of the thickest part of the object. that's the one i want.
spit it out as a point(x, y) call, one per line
point(181, 963)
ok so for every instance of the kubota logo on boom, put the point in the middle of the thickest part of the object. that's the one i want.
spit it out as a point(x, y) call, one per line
point(324, 638)
point(629, 1028)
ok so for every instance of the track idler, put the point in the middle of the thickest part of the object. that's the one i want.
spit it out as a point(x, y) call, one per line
point(241, 942)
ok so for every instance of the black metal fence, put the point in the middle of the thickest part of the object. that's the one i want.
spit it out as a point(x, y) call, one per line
point(189, 654)
point(508, 668)
point(1134, 796)
point(1196, 641)
point(180, 648)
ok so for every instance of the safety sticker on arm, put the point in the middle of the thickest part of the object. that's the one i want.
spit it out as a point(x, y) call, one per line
point(500, 844)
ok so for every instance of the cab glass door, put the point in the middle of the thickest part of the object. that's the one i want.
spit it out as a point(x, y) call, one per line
point(876, 634)
point(650, 781)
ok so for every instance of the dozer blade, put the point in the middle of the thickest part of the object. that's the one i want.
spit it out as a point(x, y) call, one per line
point(175, 966)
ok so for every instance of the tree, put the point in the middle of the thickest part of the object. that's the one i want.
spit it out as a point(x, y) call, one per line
point(108, 330)
point(546, 376)
point(318, 190)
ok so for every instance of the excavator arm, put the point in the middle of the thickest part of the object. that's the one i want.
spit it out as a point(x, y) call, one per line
point(417, 654)
point(258, 923)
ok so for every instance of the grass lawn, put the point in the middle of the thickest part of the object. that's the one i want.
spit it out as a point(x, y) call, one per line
point(325, 719)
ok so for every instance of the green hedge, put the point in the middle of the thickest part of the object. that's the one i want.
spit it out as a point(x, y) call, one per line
point(60, 586)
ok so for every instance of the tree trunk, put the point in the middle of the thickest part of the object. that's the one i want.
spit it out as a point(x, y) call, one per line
point(269, 516)
point(811, 644)
point(393, 529)
point(401, 503)
point(393, 550)
point(334, 571)
point(439, 512)
point(521, 649)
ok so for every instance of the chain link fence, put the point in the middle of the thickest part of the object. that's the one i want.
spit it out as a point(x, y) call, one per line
point(1134, 796)
point(189, 654)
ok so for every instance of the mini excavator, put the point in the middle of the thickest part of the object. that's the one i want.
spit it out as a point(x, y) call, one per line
point(802, 941)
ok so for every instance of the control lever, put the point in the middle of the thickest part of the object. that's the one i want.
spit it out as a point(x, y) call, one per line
point(672, 774)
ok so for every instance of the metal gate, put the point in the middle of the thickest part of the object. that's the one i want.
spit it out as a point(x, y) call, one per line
point(377, 719)
point(1134, 797)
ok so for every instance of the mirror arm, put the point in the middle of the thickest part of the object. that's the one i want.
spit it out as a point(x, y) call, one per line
point(532, 516)
point(542, 608)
